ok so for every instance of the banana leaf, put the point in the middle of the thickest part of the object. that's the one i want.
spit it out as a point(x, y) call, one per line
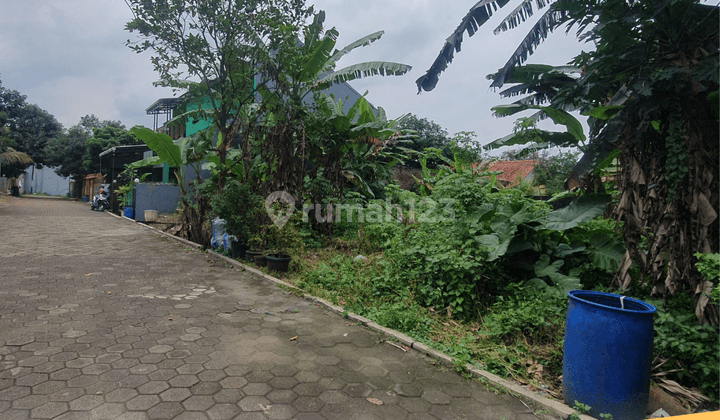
point(161, 144)
point(367, 69)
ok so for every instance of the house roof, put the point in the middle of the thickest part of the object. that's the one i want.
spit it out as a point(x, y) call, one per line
point(163, 105)
point(513, 171)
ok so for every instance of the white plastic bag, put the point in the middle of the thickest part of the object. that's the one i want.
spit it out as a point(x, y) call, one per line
point(218, 230)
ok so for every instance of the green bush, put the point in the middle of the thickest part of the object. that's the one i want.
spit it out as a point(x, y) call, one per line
point(535, 316)
point(239, 205)
point(687, 346)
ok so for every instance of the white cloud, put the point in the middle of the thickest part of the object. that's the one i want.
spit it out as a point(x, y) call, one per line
point(69, 57)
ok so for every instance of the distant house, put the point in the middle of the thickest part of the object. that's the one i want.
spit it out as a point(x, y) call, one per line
point(168, 108)
point(514, 171)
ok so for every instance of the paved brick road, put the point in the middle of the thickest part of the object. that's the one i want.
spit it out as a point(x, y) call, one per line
point(101, 319)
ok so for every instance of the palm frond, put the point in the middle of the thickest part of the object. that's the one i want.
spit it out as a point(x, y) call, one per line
point(367, 69)
point(476, 17)
point(547, 138)
point(539, 32)
point(521, 13)
point(362, 42)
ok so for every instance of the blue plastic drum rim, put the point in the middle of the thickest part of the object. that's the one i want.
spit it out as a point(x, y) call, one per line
point(611, 301)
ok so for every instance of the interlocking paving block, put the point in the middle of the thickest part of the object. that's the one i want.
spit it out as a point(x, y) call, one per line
point(134, 326)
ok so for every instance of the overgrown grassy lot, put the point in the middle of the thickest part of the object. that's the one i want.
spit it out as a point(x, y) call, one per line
point(482, 274)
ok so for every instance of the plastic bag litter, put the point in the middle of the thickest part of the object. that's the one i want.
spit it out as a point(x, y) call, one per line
point(218, 230)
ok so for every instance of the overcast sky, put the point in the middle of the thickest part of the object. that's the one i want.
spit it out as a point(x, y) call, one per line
point(69, 57)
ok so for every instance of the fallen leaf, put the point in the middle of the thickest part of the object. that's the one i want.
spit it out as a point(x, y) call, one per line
point(88, 274)
point(90, 299)
point(294, 338)
point(375, 401)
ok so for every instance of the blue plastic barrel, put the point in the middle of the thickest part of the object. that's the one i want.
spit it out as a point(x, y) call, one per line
point(129, 212)
point(608, 353)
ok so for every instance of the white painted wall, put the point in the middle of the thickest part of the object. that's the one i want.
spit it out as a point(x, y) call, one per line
point(44, 180)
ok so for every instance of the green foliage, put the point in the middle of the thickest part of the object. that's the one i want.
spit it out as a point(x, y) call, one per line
point(311, 67)
point(677, 154)
point(66, 152)
point(161, 144)
point(688, 347)
point(581, 408)
point(708, 265)
point(465, 148)
point(534, 316)
point(105, 134)
point(552, 171)
point(423, 134)
point(239, 205)
point(124, 191)
point(354, 145)
point(369, 288)
point(281, 240)
point(25, 127)
point(400, 316)
point(455, 249)
point(584, 208)
point(558, 116)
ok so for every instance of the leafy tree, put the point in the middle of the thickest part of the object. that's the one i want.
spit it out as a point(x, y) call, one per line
point(107, 134)
point(26, 127)
point(464, 147)
point(650, 89)
point(552, 170)
point(65, 152)
point(212, 49)
point(422, 135)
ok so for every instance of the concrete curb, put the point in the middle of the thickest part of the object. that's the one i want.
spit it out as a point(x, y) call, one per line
point(540, 402)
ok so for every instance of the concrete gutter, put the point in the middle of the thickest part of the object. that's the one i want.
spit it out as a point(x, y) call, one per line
point(539, 401)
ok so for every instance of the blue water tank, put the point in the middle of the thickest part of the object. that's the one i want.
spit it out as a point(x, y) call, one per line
point(607, 353)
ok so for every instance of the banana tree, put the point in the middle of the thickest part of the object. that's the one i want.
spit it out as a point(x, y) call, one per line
point(180, 154)
point(481, 13)
point(298, 69)
point(353, 146)
point(294, 74)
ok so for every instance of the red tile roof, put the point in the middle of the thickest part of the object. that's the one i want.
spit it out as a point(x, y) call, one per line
point(513, 171)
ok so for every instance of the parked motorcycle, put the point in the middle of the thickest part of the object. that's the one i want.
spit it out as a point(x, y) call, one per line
point(100, 200)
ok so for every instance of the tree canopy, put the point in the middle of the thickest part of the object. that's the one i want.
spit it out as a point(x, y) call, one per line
point(650, 90)
point(25, 127)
